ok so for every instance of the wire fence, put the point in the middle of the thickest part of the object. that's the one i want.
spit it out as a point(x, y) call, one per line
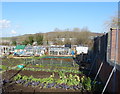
point(67, 62)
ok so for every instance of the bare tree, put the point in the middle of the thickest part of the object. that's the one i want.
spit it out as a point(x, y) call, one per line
point(113, 22)
point(83, 37)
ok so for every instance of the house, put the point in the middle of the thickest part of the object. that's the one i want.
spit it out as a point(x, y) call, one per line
point(63, 39)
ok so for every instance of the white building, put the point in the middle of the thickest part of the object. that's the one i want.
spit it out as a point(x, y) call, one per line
point(6, 49)
point(82, 49)
point(59, 51)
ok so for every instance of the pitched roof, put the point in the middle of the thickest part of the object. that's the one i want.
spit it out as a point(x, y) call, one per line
point(20, 47)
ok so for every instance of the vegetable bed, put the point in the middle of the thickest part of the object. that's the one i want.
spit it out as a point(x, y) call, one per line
point(51, 80)
point(46, 74)
point(64, 81)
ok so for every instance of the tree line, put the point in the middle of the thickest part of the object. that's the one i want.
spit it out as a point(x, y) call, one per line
point(31, 39)
point(57, 37)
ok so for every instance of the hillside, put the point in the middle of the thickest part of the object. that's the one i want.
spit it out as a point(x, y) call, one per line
point(49, 35)
point(52, 36)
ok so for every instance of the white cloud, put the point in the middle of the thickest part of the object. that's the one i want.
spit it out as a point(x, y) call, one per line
point(13, 32)
point(4, 23)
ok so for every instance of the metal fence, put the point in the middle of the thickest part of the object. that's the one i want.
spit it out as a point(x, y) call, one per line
point(107, 47)
point(56, 61)
point(106, 59)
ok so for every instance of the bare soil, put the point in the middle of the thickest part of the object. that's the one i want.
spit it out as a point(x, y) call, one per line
point(20, 88)
point(64, 59)
point(37, 74)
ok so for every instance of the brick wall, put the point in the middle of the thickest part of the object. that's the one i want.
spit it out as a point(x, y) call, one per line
point(113, 44)
point(119, 47)
point(113, 56)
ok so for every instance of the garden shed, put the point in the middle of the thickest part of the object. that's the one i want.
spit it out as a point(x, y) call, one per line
point(19, 49)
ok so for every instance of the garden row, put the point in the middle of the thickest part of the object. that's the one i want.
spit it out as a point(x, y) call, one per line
point(49, 70)
point(11, 61)
point(64, 81)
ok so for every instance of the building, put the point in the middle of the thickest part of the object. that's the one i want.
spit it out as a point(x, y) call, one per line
point(35, 50)
point(82, 49)
point(19, 50)
point(59, 51)
point(6, 49)
point(63, 39)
